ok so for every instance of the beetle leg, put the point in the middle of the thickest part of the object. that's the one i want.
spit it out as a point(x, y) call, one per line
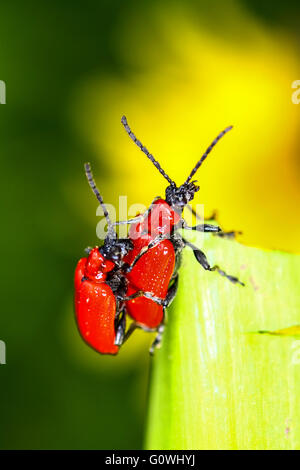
point(129, 221)
point(128, 268)
point(157, 341)
point(231, 235)
point(212, 217)
point(158, 300)
point(138, 217)
point(171, 292)
point(148, 295)
point(130, 330)
point(214, 229)
point(144, 250)
point(203, 228)
point(164, 303)
point(201, 258)
point(120, 329)
point(167, 302)
point(232, 279)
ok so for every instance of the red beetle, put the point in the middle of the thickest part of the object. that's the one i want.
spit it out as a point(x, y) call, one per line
point(157, 246)
point(100, 288)
point(95, 302)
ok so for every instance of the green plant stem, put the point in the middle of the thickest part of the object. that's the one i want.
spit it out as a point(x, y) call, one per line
point(217, 382)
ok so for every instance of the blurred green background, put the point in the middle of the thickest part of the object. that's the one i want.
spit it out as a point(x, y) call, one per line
point(181, 71)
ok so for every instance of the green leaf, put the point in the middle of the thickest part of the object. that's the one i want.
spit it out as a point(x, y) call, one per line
point(217, 382)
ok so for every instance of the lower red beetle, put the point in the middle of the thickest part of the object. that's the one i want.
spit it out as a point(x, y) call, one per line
point(100, 288)
point(95, 303)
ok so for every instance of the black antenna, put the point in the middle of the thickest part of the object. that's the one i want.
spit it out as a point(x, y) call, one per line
point(94, 188)
point(208, 150)
point(143, 149)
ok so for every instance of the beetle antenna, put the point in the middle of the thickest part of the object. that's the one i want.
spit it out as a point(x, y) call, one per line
point(208, 150)
point(95, 190)
point(144, 150)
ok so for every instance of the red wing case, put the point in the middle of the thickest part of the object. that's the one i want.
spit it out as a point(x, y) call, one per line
point(152, 273)
point(95, 308)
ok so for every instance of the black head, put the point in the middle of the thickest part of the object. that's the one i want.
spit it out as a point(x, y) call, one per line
point(115, 249)
point(180, 197)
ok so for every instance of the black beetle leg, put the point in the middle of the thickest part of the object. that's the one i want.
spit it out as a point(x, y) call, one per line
point(120, 329)
point(130, 330)
point(129, 221)
point(230, 235)
point(201, 258)
point(164, 303)
point(171, 292)
point(158, 300)
point(204, 228)
point(148, 295)
point(144, 250)
point(138, 217)
point(168, 300)
point(157, 341)
point(212, 217)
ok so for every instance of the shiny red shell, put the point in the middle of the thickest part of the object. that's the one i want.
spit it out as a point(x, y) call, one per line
point(153, 271)
point(95, 304)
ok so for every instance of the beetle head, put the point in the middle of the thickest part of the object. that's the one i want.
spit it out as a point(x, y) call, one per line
point(180, 197)
point(116, 248)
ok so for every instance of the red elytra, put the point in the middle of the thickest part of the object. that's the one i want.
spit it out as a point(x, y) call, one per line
point(152, 273)
point(154, 270)
point(95, 303)
point(160, 220)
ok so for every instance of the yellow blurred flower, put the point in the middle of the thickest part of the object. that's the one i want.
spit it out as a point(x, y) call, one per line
point(185, 83)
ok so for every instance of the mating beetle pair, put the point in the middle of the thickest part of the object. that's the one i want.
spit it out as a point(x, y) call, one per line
point(137, 275)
